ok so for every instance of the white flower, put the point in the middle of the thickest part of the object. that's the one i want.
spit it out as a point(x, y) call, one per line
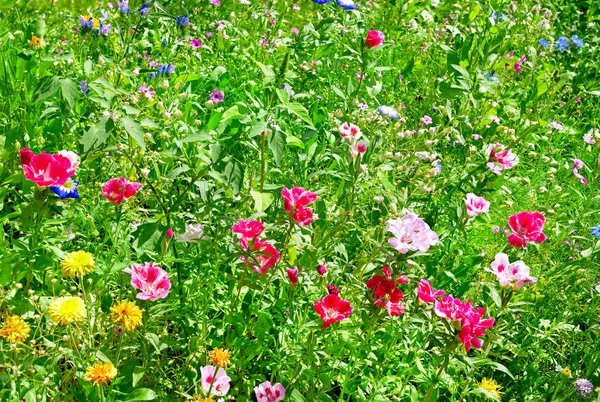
point(192, 232)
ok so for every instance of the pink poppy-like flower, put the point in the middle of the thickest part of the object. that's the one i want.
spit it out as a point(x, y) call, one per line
point(358, 148)
point(266, 392)
point(426, 120)
point(501, 158)
point(152, 280)
point(350, 132)
point(331, 309)
point(196, 43)
point(295, 202)
point(116, 190)
point(426, 292)
point(509, 274)
point(215, 380)
point(374, 38)
point(46, 169)
point(518, 67)
point(292, 275)
point(527, 226)
point(72, 157)
point(265, 254)
point(578, 164)
point(249, 229)
point(411, 233)
point(476, 205)
point(449, 308)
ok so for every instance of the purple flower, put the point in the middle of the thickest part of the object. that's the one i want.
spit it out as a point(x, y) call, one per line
point(105, 29)
point(147, 91)
point(584, 387)
point(217, 96)
point(84, 87)
point(196, 43)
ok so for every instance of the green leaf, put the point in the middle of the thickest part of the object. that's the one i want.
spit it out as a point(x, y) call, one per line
point(46, 88)
point(69, 90)
point(134, 130)
point(276, 145)
point(88, 67)
point(97, 134)
point(257, 128)
point(231, 113)
point(141, 394)
point(138, 373)
point(262, 201)
point(300, 111)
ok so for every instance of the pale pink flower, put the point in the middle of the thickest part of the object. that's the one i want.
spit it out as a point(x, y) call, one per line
point(501, 158)
point(556, 126)
point(411, 233)
point(152, 280)
point(589, 139)
point(350, 132)
point(476, 205)
point(215, 381)
point(578, 164)
point(426, 120)
point(266, 392)
point(514, 274)
point(147, 91)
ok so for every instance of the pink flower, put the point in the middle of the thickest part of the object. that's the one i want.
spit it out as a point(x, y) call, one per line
point(72, 157)
point(527, 226)
point(215, 381)
point(333, 290)
point(350, 132)
point(147, 91)
point(374, 38)
point(249, 229)
point(518, 67)
point(322, 270)
point(266, 255)
point(578, 164)
point(426, 120)
point(411, 233)
point(150, 279)
point(196, 43)
point(169, 233)
point(294, 31)
point(293, 275)
point(46, 169)
point(295, 202)
point(117, 190)
point(514, 274)
point(266, 392)
point(332, 309)
point(215, 2)
point(476, 205)
point(589, 139)
point(426, 292)
point(388, 295)
point(501, 158)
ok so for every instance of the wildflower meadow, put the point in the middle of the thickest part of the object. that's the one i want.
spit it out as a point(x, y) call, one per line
point(319, 200)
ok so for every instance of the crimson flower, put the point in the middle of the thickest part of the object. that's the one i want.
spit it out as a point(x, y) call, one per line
point(249, 229)
point(374, 38)
point(266, 255)
point(332, 309)
point(46, 169)
point(527, 226)
point(293, 275)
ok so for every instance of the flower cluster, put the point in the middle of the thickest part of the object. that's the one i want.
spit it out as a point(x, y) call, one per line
point(352, 135)
point(388, 295)
point(411, 233)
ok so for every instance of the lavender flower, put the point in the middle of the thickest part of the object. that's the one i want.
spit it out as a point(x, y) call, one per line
point(217, 96)
point(584, 387)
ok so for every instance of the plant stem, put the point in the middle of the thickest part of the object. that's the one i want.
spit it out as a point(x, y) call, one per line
point(262, 161)
point(439, 373)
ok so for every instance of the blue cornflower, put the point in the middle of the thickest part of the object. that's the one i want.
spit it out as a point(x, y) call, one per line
point(347, 4)
point(596, 231)
point(321, 1)
point(496, 17)
point(544, 43)
point(577, 41)
point(84, 87)
point(124, 7)
point(162, 69)
point(183, 22)
point(562, 44)
point(388, 111)
point(67, 190)
point(144, 9)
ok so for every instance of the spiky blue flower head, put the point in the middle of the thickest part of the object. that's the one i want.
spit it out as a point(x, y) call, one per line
point(84, 87)
point(596, 231)
point(562, 44)
point(67, 190)
point(183, 22)
point(144, 9)
point(577, 41)
point(544, 43)
point(347, 4)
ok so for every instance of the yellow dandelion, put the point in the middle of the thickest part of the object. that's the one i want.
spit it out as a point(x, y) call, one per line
point(127, 314)
point(15, 329)
point(492, 387)
point(36, 42)
point(220, 357)
point(95, 22)
point(67, 309)
point(101, 373)
point(200, 399)
point(77, 264)
point(566, 371)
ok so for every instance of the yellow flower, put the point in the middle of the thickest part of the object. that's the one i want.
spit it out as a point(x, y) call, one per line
point(95, 23)
point(77, 264)
point(67, 309)
point(36, 42)
point(101, 373)
point(220, 357)
point(200, 399)
point(566, 371)
point(127, 315)
point(15, 329)
point(492, 387)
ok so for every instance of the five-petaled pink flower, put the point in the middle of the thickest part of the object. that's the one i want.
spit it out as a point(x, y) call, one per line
point(509, 274)
point(196, 43)
point(426, 292)
point(249, 229)
point(295, 202)
point(266, 392)
point(117, 190)
point(527, 226)
point(374, 38)
point(48, 169)
point(476, 205)
point(152, 280)
point(411, 233)
point(216, 381)
point(577, 165)
point(332, 308)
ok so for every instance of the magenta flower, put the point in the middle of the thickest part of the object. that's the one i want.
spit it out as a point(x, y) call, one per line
point(147, 91)
point(374, 38)
point(578, 164)
point(293, 275)
point(295, 202)
point(322, 270)
point(216, 381)
point(426, 292)
point(249, 229)
point(117, 190)
point(514, 274)
point(411, 233)
point(265, 254)
point(153, 281)
point(266, 392)
point(47, 169)
point(501, 158)
point(332, 309)
point(169, 233)
point(527, 226)
point(217, 96)
point(196, 43)
point(476, 205)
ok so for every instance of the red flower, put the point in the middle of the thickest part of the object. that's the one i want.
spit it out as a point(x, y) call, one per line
point(527, 226)
point(249, 229)
point(117, 190)
point(45, 169)
point(388, 296)
point(332, 309)
point(374, 38)
point(293, 275)
point(25, 155)
point(333, 290)
point(266, 255)
point(295, 202)
point(426, 293)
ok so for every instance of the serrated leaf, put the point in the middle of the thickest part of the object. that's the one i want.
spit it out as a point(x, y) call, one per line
point(97, 134)
point(134, 130)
